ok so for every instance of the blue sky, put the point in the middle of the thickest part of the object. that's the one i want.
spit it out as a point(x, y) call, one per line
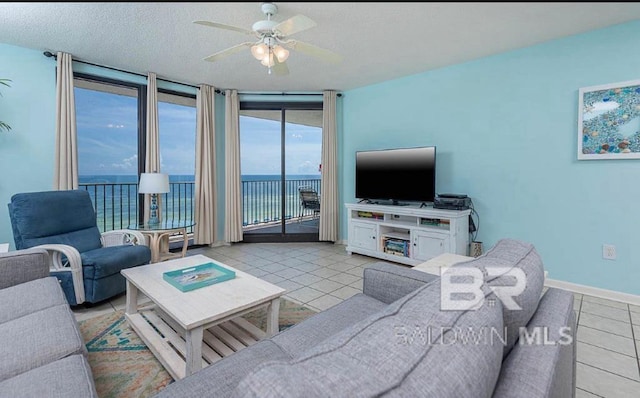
point(107, 139)
point(260, 147)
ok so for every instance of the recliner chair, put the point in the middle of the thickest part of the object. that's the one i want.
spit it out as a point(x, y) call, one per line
point(86, 262)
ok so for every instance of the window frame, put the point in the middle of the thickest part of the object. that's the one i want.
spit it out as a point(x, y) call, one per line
point(142, 115)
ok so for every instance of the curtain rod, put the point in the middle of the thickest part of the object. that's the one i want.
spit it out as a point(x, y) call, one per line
point(49, 54)
point(284, 94)
point(54, 56)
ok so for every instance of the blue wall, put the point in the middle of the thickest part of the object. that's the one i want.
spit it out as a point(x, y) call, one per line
point(505, 128)
point(29, 107)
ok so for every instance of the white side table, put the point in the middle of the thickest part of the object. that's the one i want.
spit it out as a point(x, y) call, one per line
point(162, 231)
point(434, 265)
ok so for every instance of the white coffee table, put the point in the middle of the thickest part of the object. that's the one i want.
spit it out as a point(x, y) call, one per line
point(189, 330)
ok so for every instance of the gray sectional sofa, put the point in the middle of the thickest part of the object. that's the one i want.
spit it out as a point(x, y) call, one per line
point(43, 353)
point(394, 340)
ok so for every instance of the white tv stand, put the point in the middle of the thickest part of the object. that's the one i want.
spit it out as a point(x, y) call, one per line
point(406, 234)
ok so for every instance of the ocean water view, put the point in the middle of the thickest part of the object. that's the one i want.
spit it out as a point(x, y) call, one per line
point(115, 198)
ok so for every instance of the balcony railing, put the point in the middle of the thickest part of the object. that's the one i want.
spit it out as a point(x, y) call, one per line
point(116, 204)
point(262, 200)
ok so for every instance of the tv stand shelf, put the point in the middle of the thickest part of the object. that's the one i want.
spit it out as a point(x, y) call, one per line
point(406, 234)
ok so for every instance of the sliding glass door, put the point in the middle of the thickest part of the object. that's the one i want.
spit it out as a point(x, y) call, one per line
point(303, 149)
point(280, 150)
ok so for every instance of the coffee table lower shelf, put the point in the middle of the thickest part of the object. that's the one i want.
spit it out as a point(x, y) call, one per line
point(168, 344)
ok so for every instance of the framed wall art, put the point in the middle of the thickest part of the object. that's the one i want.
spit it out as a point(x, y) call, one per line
point(609, 121)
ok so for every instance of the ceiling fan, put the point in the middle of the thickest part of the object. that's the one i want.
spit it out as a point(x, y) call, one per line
point(273, 40)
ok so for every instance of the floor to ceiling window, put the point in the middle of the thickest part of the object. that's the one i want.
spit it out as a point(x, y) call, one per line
point(111, 145)
point(177, 127)
point(280, 151)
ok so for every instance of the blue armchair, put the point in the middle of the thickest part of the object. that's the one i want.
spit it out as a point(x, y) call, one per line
point(86, 262)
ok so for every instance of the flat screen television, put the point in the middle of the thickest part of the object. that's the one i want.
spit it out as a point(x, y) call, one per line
point(402, 174)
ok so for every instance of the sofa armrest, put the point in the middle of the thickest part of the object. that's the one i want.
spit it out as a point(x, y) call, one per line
point(543, 361)
point(22, 266)
point(65, 258)
point(388, 282)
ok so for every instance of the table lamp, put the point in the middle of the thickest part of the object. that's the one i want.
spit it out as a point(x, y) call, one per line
point(153, 183)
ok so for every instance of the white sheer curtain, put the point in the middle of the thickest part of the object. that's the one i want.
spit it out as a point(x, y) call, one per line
point(152, 154)
point(205, 185)
point(66, 158)
point(329, 175)
point(233, 200)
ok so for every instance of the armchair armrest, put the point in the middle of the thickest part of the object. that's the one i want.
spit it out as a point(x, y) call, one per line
point(122, 237)
point(72, 264)
point(388, 282)
point(22, 266)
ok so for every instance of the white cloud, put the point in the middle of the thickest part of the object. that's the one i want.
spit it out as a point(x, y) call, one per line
point(129, 163)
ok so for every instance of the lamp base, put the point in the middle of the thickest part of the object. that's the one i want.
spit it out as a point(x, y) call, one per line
point(153, 213)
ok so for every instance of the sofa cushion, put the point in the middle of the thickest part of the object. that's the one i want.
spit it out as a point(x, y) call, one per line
point(64, 378)
point(220, 378)
point(110, 260)
point(299, 338)
point(411, 348)
point(38, 339)
point(27, 298)
point(510, 255)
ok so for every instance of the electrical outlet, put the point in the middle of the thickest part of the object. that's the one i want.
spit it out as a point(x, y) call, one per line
point(608, 252)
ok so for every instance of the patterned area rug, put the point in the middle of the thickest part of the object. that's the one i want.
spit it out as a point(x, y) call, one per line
point(124, 367)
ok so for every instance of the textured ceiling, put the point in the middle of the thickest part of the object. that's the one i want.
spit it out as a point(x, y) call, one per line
point(378, 41)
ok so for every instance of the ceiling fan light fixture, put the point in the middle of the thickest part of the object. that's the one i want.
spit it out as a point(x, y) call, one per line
point(268, 60)
point(273, 37)
point(259, 51)
point(281, 53)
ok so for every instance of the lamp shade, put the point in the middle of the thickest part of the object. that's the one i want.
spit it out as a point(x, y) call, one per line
point(268, 60)
point(281, 53)
point(153, 183)
point(259, 51)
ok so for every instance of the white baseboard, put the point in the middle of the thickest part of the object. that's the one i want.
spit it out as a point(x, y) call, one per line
point(594, 291)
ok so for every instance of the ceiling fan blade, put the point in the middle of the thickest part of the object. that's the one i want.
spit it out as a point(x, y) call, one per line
point(310, 49)
point(223, 26)
point(279, 68)
point(294, 24)
point(225, 53)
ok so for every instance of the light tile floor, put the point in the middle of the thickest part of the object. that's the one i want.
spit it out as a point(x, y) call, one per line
point(320, 275)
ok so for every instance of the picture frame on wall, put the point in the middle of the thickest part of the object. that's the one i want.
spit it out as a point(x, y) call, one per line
point(609, 121)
